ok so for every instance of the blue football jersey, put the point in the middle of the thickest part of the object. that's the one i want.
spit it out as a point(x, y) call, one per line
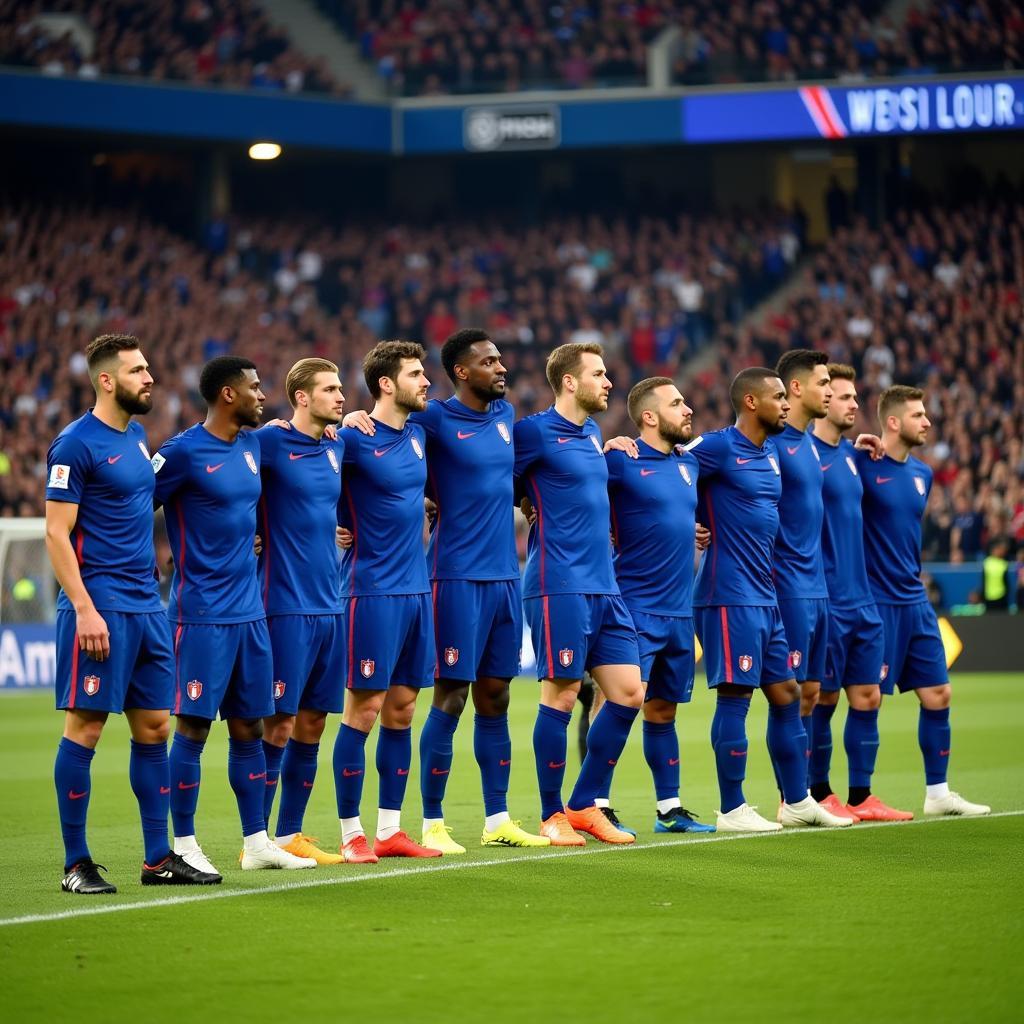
point(299, 566)
point(209, 489)
point(799, 569)
point(895, 495)
point(106, 473)
point(738, 496)
point(654, 504)
point(383, 482)
point(842, 535)
point(561, 468)
point(470, 459)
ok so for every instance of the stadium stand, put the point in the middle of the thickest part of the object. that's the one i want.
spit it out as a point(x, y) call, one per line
point(204, 42)
point(432, 47)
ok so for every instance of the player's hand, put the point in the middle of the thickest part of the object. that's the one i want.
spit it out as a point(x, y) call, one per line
point(283, 424)
point(529, 512)
point(257, 545)
point(622, 444)
point(361, 421)
point(343, 538)
point(870, 443)
point(702, 535)
point(93, 635)
point(431, 509)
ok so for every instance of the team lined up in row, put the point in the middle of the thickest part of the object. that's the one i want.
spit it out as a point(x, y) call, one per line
point(264, 644)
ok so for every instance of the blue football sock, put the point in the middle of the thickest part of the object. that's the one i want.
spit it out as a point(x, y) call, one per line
point(150, 776)
point(435, 760)
point(729, 739)
point(185, 775)
point(807, 721)
point(72, 781)
point(605, 742)
point(661, 749)
point(394, 756)
point(349, 770)
point(549, 749)
point(247, 774)
point(933, 736)
point(821, 747)
point(272, 755)
point(298, 773)
point(860, 737)
point(787, 744)
point(492, 746)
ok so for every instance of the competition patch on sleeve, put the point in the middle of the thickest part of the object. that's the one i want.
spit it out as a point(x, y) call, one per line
point(59, 477)
point(157, 462)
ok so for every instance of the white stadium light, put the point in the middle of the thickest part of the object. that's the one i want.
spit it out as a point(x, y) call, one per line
point(264, 151)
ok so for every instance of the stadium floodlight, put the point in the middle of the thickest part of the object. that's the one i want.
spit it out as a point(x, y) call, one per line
point(264, 151)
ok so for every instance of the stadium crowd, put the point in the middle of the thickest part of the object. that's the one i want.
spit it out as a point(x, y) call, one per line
point(205, 42)
point(934, 298)
point(458, 46)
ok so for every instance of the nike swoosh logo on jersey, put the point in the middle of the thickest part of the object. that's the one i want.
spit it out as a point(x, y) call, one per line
point(647, 472)
point(213, 469)
point(882, 479)
point(825, 469)
point(462, 437)
point(742, 462)
point(111, 459)
point(564, 440)
point(379, 453)
point(792, 451)
point(292, 456)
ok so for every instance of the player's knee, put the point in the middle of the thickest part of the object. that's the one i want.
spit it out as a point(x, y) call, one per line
point(158, 731)
point(85, 732)
point(309, 726)
point(451, 697)
point(278, 730)
point(245, 728)
point(936, 698)
point(784, 693)
point(659, 712)
point(491, 697)
point(631, 696)
point(867, 698)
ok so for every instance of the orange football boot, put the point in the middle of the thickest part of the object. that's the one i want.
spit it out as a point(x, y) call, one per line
point(594, 823)
point(873, 809)
point(400, 845)
point(356, 851)
point(560, 832)
point(835, 806)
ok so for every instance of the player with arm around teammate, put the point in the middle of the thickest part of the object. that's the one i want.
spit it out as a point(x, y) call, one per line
point(856, 640)
point(896, 489)
point(300, 582)
point(577, 617)
point(207, 479)
point(737, 613)
point(113, 641)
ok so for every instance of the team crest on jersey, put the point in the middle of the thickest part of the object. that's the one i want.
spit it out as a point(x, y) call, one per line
point(685, 474)
point(775, 465)
point(852, 465)
point(366, 667)
point(565, 657)
point(145, 451)
point(885, 673)
point(251, 463)
point(91, 685)
point(505, 435)
point(795, 657)
point(194, 689)
point(919, 484)
point(417, 449)
point(597, 444)
point(451, 656)
point(746, 662)
point(332, 459)
point(279, 688)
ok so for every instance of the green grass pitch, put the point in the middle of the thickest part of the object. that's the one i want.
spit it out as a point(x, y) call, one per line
point(908, 922)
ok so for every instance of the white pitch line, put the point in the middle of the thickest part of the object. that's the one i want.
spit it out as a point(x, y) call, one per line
point(455, 865)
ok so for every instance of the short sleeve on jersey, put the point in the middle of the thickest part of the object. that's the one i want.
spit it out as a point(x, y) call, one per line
point(68, 463)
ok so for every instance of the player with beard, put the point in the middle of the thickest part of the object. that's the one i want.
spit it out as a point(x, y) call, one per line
point(737, 612)
point(896, 489)
point(653, 505)
point(856, 640)
point(113, 641)
point(207, 479)
point(389, 624)
point(577, 617)
point(300, 581)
